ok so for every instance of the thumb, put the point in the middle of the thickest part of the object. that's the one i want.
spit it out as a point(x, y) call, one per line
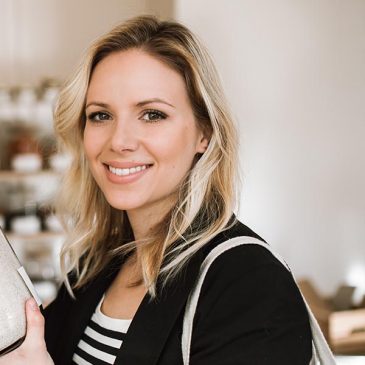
point(35, 326)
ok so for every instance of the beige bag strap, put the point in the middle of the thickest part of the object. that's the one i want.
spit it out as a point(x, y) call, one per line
point(322, 354)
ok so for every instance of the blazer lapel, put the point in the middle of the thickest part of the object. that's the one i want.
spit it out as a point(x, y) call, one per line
point(81, 310)
point(155, 318)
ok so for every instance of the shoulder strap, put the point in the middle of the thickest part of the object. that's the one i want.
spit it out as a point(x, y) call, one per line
point(322, 354)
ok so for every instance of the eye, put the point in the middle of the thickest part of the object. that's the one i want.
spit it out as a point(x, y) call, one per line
point(98, 116)
point(153, 115)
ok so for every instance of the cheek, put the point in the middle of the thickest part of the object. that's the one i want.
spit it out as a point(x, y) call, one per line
point(176, 150)
point(93, 142)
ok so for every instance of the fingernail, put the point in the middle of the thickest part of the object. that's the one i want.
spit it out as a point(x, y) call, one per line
point(33, 305)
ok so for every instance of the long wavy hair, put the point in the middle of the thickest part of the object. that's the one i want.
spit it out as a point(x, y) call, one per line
point(97, 232)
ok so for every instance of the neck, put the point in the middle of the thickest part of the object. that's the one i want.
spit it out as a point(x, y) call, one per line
point(144, 219)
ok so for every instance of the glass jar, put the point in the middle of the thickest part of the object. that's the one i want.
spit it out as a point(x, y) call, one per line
point(15, 289)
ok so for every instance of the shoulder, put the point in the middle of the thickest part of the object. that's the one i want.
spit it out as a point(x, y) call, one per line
point(247, 273)
point(247, 268)
point(249, 276)
point(241, 257)
point(250, 307)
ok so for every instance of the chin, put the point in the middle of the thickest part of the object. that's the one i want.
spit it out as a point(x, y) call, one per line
point(124, 205)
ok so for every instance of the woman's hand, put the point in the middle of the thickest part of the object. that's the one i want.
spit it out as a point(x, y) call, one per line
point(33, 350)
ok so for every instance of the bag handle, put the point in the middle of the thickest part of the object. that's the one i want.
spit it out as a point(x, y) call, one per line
point(322, 354)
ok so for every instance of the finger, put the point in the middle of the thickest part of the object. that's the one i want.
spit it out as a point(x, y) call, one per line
point(35, 326)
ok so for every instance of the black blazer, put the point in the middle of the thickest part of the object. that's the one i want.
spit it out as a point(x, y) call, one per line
point(249, 312)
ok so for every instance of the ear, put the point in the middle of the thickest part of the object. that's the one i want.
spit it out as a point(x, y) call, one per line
point(203, 143)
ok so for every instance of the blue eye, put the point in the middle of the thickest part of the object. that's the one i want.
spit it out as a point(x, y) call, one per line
point(153, 115)
point(98, 116)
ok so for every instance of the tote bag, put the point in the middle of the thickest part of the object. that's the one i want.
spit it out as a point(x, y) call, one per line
point(322, 354)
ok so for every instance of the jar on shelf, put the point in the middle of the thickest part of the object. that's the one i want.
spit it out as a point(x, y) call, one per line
point(59, 162)
point(26, 225)
point(22, 211)
point(25, 102)
point(44, 108)
point(24, 153)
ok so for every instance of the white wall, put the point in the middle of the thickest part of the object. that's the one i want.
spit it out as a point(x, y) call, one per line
point(294, 72)
point(43, 38)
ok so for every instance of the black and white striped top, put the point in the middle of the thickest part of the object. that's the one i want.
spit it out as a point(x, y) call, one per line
point(101, 340)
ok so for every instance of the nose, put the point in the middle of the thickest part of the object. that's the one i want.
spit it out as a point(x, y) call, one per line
point(124, 136)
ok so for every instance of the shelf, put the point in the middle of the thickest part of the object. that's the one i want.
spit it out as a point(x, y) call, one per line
point(350, 360)
point(9, 175)
point(47, 235)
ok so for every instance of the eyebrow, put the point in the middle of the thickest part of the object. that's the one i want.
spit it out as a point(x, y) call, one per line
point(154, 100)
point(139, 104)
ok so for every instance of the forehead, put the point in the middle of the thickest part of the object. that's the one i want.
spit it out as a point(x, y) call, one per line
point(136, 74)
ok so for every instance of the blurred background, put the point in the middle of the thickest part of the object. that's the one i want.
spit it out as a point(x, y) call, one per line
point(294, 74)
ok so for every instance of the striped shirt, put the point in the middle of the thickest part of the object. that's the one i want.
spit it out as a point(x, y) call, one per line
point(101, 340)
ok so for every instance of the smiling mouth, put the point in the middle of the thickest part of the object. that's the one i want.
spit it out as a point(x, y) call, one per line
point(126, 172)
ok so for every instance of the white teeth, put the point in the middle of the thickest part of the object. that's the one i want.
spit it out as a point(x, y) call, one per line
point(125, 172)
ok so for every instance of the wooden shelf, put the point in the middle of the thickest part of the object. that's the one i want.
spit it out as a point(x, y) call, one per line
point(46, 235)
point(350, 360)
point(9, 175)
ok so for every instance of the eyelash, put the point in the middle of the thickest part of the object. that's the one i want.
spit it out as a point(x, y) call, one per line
point(92, 116)
point(156, 112)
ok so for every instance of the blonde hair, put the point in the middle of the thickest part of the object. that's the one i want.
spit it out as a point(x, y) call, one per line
point(96, 231)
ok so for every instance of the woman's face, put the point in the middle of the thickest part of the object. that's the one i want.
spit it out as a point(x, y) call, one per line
point(140, 136)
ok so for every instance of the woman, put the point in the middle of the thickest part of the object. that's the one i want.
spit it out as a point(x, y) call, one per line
point(150, 193)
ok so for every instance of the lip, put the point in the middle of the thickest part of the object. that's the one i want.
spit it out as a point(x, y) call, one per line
point(125, 165)
point(115, 179)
